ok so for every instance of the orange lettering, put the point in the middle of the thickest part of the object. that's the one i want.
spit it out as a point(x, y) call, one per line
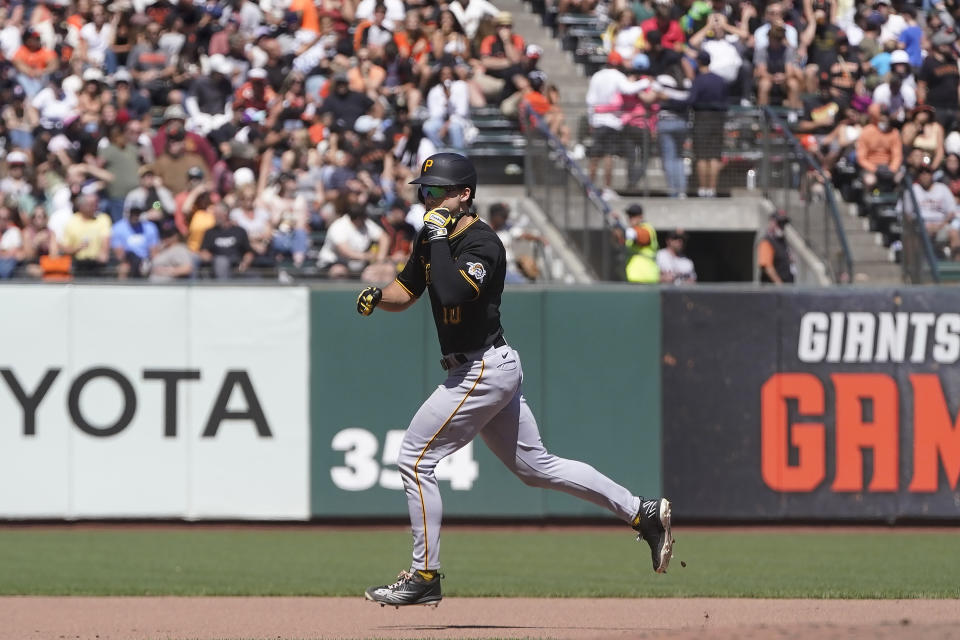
point(853, 434)
point(933, 435)
point(776, 436)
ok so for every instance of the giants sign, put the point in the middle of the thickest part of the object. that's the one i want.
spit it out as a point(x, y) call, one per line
point(815, 405)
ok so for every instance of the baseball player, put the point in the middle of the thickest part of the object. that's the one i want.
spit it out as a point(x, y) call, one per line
point(460, 261)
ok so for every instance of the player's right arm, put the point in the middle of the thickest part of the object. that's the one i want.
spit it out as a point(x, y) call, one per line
point(402, 292)
point(396, 297)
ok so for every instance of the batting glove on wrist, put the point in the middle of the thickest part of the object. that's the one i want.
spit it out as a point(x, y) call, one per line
point(368, 299)
point(436, 222)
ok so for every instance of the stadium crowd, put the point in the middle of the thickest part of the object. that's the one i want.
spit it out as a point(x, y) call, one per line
point(872, 83)
point(150, 138)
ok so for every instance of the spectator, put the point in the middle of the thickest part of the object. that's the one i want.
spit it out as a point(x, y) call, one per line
point(774, 17)
point(725, 60)
point(534, 100)
point(469, 13)
point(86, 237)
point(949, 174)
point(38, 242)
point(897, 95)
point(401, 233)
point(675, 268)
point(708, 98)
point(521, 269)
point(777, 71)
point(253, 218)
point(605, 85)
point(19, 118)
point(209, 102)
point(911, 38)
point(373, 34)
point(879, 152)
point(172, 166)
point(34, 63)
point(173, 260)
point(502, 54)
point(923, 132)
point(345, 105)
point(672, 133)
point(225, 245)
point(15, 184)
point(448, 105)
point(395, 11)
point(938, 82)
point(151, 66)
point(134, 240)
point(122, 159)
point(174, 122)
point(288, 218)
point(11, 242)
point(671, 35)
point(938, 210)
point(774, 258)
point(666, 61)
point(641, 242)
point(893, 23)
point(150, 196)
point(624, 35)
point(354, 242)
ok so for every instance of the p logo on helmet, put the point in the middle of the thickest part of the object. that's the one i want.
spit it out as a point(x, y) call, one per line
point(427, 165)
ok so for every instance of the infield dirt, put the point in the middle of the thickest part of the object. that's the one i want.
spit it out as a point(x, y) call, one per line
point(134, 618)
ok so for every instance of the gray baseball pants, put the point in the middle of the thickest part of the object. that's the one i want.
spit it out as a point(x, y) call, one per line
point(484, 396)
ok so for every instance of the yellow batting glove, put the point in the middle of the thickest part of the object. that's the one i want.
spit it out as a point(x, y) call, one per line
point(436, 221)
point(368, 299)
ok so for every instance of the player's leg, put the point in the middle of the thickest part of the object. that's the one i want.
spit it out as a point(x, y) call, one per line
point(513, 436)
point(447, 421)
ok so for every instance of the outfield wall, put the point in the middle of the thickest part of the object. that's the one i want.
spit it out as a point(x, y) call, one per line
point(282, 403)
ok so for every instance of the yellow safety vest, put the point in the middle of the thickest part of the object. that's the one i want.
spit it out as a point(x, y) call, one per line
point(642, 264)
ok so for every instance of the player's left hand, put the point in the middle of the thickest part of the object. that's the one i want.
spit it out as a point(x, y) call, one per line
point(368, 300)
point(436, 222)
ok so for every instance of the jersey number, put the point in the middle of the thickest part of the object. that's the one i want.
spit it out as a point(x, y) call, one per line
point(451, 315)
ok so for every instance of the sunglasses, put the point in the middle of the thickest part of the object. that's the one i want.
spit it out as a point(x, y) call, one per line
point(429, 191)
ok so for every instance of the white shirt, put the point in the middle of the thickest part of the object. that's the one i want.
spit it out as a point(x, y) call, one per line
point(761, 37)
point(935, 204)
point(11, 239)
point(470, 17)
point(441, 106)
point(604, 86)
point(97, 39)
point(881, 95)
point(680, 267)
point(10, 41)
point(256, 226)
point(395, 12)
point(725, 61)
point(625, 43)
point(343, 231)
point(892, 28)
point(52, 108)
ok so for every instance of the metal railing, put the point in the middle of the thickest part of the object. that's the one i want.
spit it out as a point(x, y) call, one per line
point(760, 156)
point(917, 255)
point(559, 186)
point(794, 181)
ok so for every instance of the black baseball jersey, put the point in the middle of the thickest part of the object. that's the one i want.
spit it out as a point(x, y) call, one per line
point(465, 279)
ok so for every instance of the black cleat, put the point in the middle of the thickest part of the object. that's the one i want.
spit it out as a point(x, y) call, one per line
point(410, 588)
point(652, 524)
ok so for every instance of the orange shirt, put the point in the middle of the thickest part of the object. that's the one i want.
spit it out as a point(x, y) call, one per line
point(875, 147)
point(309, 19)
point(38, 59)
point(406, 47)
point(538, 102)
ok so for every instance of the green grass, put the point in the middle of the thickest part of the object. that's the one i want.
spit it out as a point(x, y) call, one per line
point(903, 564)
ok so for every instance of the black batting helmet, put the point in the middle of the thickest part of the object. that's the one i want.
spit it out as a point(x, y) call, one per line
point(448, 170)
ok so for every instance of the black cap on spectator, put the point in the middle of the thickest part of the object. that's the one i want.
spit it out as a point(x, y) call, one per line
point(635, 209)
point(676, 234)
point(499, 209)
point(340, 78)
point(168, 228)
point(703, 59)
